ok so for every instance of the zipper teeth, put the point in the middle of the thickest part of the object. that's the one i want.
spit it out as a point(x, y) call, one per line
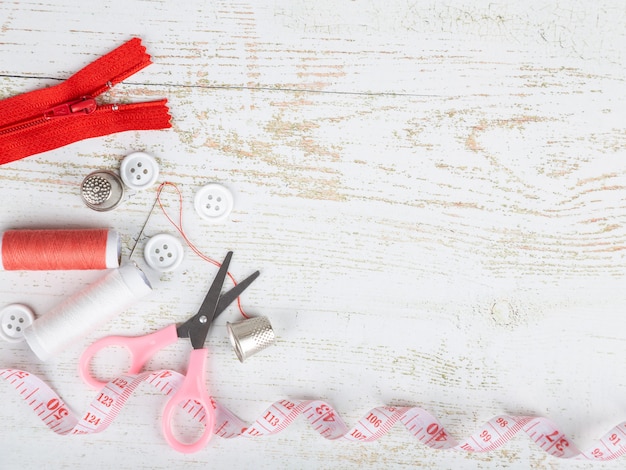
point(43, 120)
point(110, 107)
point(21, 127)
point(98, 91)
point(40, 120)
point(120, 77)
point(34, 121)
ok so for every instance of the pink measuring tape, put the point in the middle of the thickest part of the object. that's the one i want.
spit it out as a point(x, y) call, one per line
point(322, 417)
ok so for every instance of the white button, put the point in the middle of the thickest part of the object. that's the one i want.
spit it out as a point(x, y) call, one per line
point(14, 319)
point(139, 170)
point(163, 252)
point(214, 202)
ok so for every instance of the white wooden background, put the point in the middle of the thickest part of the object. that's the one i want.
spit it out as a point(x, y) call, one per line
point(434, 193)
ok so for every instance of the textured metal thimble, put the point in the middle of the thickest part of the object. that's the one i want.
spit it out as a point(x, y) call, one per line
point(102, 190)
point(250, 336)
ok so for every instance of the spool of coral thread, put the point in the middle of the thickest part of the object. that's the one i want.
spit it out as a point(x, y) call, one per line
point(49, 250)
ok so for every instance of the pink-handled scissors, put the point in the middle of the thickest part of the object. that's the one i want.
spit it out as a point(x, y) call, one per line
point(196, 329)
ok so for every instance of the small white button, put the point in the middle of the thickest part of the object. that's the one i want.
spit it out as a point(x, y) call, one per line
point(14, 319)
point(214, 202)
point(139, 170)
point(163, 252)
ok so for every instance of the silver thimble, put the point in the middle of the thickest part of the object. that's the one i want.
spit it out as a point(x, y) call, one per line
point(250, 336)
point(102, 190)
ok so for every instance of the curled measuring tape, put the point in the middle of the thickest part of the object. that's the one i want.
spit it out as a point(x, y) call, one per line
point(322, 417)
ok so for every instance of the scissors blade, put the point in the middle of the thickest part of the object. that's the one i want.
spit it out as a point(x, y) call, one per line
point(225, 300)
point(197, 327)
point(228, 297)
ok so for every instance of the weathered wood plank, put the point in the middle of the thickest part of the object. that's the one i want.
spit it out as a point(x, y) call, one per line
point(434, 194)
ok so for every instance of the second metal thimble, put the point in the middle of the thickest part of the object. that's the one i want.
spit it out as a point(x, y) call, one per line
point(250, 336)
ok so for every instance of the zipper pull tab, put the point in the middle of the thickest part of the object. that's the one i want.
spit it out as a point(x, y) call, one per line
point(85, 105)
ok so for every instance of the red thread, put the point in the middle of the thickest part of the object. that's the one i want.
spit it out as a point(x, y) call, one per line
point(179, 227)
point(42, 250)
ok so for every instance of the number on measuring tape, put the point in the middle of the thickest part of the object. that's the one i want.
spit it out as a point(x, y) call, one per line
point(288, 405)
point(321, 416)
point(614, 439)
point(105, 400)
point(326, 411)
point(559, 442)
point(55, 406)
point(437, 433)
point(253, 432)
point(358, 435)
point(91, 419)
point(271, 419)
point(374, 420)
point(119, 383)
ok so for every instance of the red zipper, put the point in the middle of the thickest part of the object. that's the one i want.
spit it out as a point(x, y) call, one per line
point(49, 118)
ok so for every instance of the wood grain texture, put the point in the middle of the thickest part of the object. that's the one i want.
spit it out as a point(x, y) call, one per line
point(434, 193)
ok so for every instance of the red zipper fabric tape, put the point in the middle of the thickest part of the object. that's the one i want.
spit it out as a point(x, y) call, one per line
point(322, 417)
point(49, 118)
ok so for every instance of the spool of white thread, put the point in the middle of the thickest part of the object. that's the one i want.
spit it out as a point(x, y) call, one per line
point(84, 311)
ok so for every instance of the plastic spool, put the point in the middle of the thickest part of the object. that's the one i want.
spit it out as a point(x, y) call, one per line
point(81, 313)
point(49, 250)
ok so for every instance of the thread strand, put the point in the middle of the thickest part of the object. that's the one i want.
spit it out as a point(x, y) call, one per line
point(179, 227)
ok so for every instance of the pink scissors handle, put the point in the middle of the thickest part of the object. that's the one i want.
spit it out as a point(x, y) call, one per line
point(141, 349)
point(193, 388)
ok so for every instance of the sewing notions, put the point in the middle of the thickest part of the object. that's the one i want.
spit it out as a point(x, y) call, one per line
point(102, 190)
point(48, 250)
